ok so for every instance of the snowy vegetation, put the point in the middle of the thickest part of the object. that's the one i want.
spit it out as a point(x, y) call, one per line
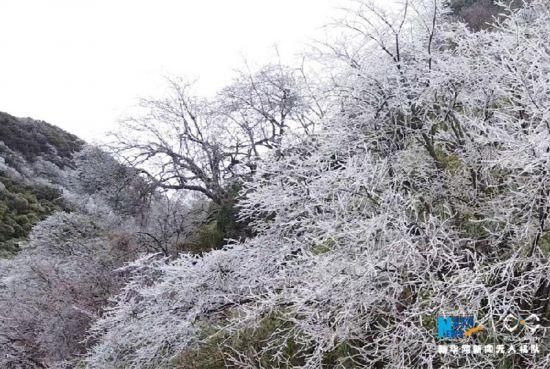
point(309, 225)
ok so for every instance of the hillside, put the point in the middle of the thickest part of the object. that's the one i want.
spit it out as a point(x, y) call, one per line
point(31, 139)
point(33, 154)
point(71, 216)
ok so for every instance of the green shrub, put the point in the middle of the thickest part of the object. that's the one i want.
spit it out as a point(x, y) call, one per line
point(21, 207)
point(215, 352)
point(221, 224)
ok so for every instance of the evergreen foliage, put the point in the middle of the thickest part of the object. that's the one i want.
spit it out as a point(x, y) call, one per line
point(221, 223)
point(21, 207)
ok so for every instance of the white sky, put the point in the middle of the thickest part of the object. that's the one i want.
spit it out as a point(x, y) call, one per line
point(82, 64)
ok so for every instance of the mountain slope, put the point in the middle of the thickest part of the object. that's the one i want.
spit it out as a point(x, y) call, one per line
point(33, 157)
point(32, 139)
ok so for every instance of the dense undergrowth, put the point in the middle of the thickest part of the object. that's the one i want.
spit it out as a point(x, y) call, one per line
point(22, 206)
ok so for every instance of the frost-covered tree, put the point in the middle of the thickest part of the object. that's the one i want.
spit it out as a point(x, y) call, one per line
point(99, 174)
point(170, 224)
point(183, 142)
point(426, 192)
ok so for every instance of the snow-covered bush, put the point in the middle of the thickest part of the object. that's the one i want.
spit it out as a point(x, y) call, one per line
point(427, 191)
point(100, 175)
point(55, 287)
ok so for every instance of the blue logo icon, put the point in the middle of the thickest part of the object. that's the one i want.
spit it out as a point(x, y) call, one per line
point(454, 327)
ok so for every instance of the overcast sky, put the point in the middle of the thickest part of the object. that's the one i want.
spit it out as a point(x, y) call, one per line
point(82, 64)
